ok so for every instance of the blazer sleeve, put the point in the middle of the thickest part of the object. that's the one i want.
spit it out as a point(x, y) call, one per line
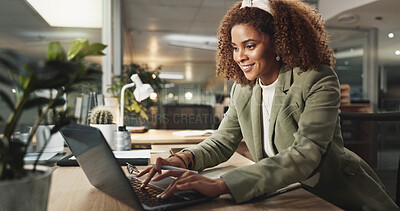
point(220, 146)
point(316, 125)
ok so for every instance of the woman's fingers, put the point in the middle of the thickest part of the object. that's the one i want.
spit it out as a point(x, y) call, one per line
point(144, 171)
point(191, 181)
point(147, 180)
point(170, 173)
point(152, 170)
point(182, 177)
point(159, 163)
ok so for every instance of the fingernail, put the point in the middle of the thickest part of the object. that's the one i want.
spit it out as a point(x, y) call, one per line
point(163, 196)
point(159, 196)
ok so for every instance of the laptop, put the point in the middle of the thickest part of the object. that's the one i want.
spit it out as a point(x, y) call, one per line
point(104, 172)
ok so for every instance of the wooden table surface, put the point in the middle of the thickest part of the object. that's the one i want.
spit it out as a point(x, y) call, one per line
point(71, 190)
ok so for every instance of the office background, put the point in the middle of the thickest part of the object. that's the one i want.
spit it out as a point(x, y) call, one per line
point(180, 37)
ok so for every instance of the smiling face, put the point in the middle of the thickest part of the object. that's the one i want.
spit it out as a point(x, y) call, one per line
point(254, 54)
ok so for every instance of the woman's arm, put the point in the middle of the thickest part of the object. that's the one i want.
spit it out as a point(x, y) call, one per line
point(223, 143)
point(316, 125)
point(212, 151)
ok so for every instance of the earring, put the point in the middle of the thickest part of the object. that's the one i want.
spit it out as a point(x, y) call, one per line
point(278, 58)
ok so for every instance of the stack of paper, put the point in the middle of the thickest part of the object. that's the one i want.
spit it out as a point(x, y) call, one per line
point(188, 133)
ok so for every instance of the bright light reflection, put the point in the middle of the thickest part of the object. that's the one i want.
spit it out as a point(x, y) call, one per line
point(397, 52)
point(71, 13)
point(153, 96)
point(153, 47)
point(390, 35)
point(188, 71)
point(188, 95)
point(171, 76)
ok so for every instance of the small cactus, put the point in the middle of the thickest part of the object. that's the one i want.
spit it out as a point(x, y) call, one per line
point(100, 116)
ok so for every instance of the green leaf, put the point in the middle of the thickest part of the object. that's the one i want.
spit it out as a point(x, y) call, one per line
point(95, 49)
point(36, 102)
point(93, 71)
point(54, 74)
point(5, 80)
point(13, 61)
point(15, 158)
point(6, 98)
point(55, 52)
point(24, 81)
point(78, 50)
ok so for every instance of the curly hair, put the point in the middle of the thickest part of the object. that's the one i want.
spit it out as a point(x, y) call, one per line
point(297, 33)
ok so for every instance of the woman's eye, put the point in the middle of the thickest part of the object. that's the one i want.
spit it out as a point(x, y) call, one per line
point(234, 48)
point(251, 46)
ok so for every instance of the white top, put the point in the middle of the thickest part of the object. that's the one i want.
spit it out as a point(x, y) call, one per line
point(268, 93)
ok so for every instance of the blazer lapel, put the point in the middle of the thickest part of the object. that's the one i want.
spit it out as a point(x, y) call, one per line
point(284, 83)
point(256, 120)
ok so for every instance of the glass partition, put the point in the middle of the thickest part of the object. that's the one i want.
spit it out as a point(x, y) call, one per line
point(350, 48)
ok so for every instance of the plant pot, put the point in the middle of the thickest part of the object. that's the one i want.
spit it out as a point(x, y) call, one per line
point(56, 142)
point(28, 193)
point(108, 132)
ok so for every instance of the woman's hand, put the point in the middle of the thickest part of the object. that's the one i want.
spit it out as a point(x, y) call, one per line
point(188, 180)
point(152, 170)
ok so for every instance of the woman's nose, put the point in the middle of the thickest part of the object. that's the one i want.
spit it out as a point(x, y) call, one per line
point(241, 56)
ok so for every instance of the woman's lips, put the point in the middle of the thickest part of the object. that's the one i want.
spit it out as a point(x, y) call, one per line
point(247, 68)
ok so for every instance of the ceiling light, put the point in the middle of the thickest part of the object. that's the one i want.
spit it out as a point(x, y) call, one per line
point(71, 13)
point(188, 95)
point(390, 35)
point(171, 76)
point(397, 52)
point(193, 41)
point(349, 53)
point(348, 18)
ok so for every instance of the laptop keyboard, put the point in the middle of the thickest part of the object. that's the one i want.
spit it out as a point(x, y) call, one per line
point(148, 195)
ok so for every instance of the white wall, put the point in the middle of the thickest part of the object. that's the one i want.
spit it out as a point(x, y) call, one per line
point(331, 8)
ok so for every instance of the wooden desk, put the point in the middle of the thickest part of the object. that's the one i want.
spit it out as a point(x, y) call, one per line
point(70, 190)
point(158, 136)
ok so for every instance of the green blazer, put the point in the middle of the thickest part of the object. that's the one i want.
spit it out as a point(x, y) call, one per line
point(306, 136)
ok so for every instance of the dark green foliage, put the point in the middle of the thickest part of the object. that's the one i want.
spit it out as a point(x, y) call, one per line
point(59, 74)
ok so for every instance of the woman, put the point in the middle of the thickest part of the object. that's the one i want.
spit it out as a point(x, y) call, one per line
point(285, 105)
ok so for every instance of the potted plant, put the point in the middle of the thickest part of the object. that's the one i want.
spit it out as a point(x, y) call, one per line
point(101, 118)
point(55, 141)
point(26, 187)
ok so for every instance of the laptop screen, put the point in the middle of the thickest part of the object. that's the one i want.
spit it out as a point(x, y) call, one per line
point(96, 159)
